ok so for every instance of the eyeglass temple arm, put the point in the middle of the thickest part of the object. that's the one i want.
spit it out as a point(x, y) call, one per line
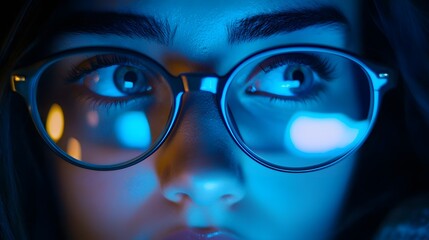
point(20, 81)
point(385, 73)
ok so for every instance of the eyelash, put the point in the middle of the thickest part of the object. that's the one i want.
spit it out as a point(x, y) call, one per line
point(92, 64)
point(312, 97)
point(323, 67)
point(97, 101)
point(78, 71)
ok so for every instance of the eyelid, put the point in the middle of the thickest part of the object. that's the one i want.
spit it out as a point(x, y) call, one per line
point(77, 71)
point(322, 66)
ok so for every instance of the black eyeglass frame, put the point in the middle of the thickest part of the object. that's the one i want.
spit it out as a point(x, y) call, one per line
point(24, 82)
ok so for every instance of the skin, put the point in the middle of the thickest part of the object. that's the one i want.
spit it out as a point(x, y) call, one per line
point(200, 178)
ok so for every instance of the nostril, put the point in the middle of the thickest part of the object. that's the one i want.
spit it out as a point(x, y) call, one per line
point(174, 195)
point(231, 199)
point(227, 197)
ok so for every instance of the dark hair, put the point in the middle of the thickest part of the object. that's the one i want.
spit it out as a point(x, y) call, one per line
point(394, 162)
point(406, 24)
point(27, 201)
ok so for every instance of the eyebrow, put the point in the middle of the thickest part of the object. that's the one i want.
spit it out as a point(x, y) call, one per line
point(265, 25)
point(243, 30)
point(120, 24)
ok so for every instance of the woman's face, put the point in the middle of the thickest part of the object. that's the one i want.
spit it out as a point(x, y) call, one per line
point(199, 184)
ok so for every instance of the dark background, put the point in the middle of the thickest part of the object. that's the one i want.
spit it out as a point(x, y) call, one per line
point(8, 13)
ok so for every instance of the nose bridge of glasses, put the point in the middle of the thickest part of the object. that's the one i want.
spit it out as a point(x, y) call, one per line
point(200, 82)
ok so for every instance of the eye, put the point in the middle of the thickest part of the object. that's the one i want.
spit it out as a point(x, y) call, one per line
point(288, 81)
point(298, 78)
point(118, 81)
point(289, 77)
point(131, 80)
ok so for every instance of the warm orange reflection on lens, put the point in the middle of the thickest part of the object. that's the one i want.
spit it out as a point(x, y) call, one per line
point(74, 149)
point(55, 122)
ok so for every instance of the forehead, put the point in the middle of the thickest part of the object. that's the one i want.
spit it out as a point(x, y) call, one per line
point(201, 28)
point(210, 6)
point(213, 11)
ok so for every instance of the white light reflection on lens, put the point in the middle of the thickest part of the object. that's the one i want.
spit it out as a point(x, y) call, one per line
point(132, 130)
point(128, 84)
point(209, 84)
point(322, 133)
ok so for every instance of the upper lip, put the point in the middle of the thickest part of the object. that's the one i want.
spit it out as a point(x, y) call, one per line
point(201, 234)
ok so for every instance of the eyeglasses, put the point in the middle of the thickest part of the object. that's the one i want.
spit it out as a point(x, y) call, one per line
point(294, 108)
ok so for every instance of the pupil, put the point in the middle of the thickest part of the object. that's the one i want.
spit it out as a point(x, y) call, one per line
point(130, 77)
point(298, 75)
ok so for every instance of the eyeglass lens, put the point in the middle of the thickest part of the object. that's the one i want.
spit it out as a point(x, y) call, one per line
point(299, 109)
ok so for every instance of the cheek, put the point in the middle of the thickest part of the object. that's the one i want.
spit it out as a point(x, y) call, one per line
point(292, 203)
point(101, 204)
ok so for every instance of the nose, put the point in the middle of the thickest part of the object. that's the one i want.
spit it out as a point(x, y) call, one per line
point(200, 162)
point(204, 189)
